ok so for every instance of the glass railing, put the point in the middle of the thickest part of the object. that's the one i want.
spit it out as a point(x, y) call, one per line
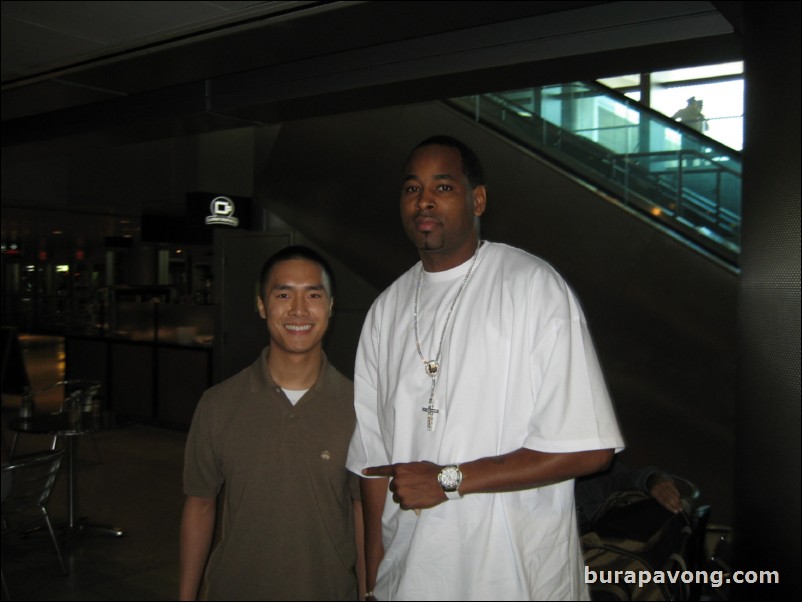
point(668, 171)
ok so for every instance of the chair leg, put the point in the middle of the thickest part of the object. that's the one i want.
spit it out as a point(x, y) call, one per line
point(55, 542)
point(6, 593)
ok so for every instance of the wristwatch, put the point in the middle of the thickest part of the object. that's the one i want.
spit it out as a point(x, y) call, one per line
point(450, 478)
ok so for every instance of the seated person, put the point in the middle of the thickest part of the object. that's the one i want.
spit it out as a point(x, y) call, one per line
point(593, 490)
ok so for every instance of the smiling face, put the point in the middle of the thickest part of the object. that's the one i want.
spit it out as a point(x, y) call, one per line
point(296, 307)
point(439, 209)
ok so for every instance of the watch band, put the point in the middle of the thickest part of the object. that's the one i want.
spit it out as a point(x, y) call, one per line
point(453, 495)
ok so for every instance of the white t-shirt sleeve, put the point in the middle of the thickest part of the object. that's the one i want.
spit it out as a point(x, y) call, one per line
point(367, 448)
point(572, 410)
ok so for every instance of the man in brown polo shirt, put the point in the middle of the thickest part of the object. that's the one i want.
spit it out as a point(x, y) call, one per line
point(276, 435)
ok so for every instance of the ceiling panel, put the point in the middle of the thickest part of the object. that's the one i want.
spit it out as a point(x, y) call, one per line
point(39, 37)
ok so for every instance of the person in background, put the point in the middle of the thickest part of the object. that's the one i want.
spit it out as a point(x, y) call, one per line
point(274, 437)
point(593, 490)
point(479, 399)
point(692, 116)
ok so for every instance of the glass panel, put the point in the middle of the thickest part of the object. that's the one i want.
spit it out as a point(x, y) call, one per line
point(722, 107)
point(186, 324)
point(135, 321)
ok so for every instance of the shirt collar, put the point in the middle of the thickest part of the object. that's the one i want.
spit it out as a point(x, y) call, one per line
point(261, 379)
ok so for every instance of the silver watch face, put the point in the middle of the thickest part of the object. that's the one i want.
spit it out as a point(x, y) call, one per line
point(450, 478)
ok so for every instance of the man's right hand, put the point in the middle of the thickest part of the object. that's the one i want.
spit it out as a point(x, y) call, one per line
point(413, 484)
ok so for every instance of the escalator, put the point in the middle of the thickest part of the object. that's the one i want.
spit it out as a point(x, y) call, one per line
point(678, 178)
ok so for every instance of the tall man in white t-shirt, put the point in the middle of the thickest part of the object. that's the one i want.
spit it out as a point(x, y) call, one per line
point(479, 398)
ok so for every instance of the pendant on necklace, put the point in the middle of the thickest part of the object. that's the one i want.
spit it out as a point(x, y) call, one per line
point(431, 413)
point(432, 368)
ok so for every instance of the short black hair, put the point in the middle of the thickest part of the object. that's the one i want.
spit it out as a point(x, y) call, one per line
point(297, 252)
point(471, 166)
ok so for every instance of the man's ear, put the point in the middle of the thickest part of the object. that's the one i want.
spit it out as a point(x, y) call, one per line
point(331, 307)
point(479, 200)
point(260, 304)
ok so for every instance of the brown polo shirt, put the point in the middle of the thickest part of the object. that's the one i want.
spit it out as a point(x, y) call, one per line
point(287, 520)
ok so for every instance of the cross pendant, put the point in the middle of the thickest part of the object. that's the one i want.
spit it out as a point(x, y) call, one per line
point(430, 412)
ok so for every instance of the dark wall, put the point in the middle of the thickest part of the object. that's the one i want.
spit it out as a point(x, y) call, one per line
point(768, 459)
point(663, 316)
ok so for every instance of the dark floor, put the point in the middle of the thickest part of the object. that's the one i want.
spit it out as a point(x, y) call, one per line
point(135, 484)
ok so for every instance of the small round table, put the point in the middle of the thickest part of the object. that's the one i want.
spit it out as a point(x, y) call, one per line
point(71, 426)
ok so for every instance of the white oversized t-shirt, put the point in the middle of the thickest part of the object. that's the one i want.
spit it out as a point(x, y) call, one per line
point(518, 369)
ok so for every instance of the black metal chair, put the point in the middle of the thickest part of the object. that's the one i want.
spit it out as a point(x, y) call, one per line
point(79, 396)
point(32, 478)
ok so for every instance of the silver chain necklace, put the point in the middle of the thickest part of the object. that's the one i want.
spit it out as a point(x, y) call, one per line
point(432, 366)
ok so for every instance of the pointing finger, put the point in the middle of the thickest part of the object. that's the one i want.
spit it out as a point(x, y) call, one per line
point(379, 471)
